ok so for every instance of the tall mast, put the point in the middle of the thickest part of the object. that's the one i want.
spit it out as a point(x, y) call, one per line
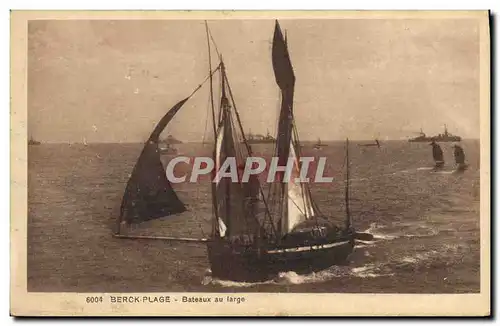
point(227, 122)
point(211, 79)
point(249, 150)
point(214, 201)
point(347, 210)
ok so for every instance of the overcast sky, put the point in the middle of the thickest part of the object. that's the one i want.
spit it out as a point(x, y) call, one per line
point(111, 81)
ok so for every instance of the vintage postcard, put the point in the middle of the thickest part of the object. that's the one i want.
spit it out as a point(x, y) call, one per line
point(250, 163)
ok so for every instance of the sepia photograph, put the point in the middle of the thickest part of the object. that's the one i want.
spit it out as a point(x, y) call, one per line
point(168, 158)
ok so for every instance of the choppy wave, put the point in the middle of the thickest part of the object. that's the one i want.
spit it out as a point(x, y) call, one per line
point(375, 230)
point(370, 269)
point(445, 172)
point(405, 230)
point(425, 168)
point(292, 278)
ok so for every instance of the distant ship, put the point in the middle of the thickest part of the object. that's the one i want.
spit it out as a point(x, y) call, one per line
point(376, 143)
point(260, 139)
point(165, 146)
point(171, 140)
point(167, 150)
point(319, 145)
point(33, 142)
point(445, 137)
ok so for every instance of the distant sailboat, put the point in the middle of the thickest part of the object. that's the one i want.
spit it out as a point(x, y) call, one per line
point(319, 145)
point(254, 237)
point(376, 143)
point(459, 155)
point(31, 141)
point(437, 155)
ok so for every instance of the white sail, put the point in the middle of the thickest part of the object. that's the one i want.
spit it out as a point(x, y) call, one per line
point(222, 228)
point(299, 200)
point(218, 152)
point(218, 147)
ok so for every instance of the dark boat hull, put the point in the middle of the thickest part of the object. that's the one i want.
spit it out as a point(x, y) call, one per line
point(246, 264)
point(261, 141)
point(166, 151)
point(436, 139)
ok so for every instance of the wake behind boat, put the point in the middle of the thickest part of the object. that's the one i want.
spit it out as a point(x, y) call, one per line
point(254, 235)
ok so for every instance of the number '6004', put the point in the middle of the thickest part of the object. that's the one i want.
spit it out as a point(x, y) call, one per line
point(94, 299)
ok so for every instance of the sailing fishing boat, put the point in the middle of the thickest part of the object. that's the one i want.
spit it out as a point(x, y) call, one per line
point(437, 155)
point(254, 236)
point(459, 154)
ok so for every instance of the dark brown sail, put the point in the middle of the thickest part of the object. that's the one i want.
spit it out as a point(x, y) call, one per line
point(283, 70)
point(149, 194)
point(285, 78)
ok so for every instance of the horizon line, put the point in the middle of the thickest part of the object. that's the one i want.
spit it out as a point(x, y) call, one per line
point(201, 142)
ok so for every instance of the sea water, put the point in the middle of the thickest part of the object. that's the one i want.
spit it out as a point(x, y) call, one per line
point(426, 225)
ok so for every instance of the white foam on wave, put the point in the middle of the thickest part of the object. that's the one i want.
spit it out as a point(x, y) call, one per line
point(364, 244)
point(229, 284)
point(374, 230)
point(409, 260)
point(371, 270)
point(407, 230)
point(208, 279)
point(368, 271)
point(444, 172)
point(432, 232)
point(419, 257)
point(292, 278)
point(385, 236)
point(417, 230)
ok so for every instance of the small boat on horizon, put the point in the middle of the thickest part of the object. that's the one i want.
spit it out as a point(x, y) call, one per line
point(376, 143)
point(167, 149)
point(444, 137)
point(260, 139)
point(31, 141)
point(319, 145)
point(171, 140)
